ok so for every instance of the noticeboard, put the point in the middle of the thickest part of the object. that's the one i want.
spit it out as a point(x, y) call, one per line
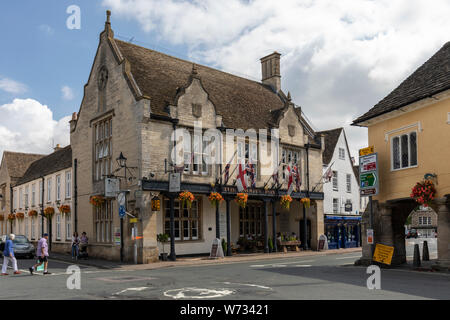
point(383, 253)
point(366, 151)
point(174, 182)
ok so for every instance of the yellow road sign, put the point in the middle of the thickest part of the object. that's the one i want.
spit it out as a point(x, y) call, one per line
point(133, 220)
point(383, 254)
point(366, 151)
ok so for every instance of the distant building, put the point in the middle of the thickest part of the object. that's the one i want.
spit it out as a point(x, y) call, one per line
point(425, 222)
point(341, 193)
point(12, 168)
point(47, 183)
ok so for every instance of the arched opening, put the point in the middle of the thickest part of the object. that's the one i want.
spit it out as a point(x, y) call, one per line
point(420, 226)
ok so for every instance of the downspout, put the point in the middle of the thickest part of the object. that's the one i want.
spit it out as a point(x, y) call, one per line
point(11, 203)
point(42, 206)
point(75, 191)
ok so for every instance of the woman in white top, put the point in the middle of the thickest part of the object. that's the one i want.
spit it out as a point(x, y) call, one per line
point(75, 244)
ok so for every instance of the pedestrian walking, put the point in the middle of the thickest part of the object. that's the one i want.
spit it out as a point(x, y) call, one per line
point(42, 253)
point(75, 245)
point(84, 240)
point(8, 256)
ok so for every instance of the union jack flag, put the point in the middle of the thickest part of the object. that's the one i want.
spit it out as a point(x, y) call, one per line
point(251, 174)
point(298, 181)
point(227, 173)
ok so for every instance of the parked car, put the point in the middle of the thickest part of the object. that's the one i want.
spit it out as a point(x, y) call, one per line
point(21, 245)
point(412, 234)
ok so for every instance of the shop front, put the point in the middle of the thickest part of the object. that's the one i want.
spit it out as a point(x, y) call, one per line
point(343, 231)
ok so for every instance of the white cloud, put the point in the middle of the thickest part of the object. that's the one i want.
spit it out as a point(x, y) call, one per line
point(339, 57)
point(11, 86)
point(67, 93)
point(28, 126)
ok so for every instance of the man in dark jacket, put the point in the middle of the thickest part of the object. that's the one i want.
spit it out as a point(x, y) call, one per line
point(8, 256)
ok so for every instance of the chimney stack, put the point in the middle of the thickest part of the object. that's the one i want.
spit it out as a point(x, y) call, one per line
point(270, 67)
point(58, 147)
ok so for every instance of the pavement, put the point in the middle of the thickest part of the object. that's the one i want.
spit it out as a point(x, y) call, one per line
point(188, 261)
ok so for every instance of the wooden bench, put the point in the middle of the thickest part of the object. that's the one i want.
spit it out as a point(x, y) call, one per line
point(292, 245)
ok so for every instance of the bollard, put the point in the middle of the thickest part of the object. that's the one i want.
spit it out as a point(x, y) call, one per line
point(416, 261)
point(425, 252)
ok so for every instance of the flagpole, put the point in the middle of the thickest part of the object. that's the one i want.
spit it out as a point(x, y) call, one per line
point(271, 177)
point(321, 179)
point(222, 170)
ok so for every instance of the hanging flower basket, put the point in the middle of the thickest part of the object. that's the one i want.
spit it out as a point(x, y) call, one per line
point(97, 201)
point(186, 198)
point(11, 217)
point(215, 198)
point(32, 213)
point(241, 199)
point(49, 212)
point(306, 202)
point(20, 215)
point(286, 201)
point(424, 192)
point(64, 209)
point(2, 218)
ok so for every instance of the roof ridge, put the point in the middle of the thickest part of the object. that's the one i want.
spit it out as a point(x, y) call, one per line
point(192, 62)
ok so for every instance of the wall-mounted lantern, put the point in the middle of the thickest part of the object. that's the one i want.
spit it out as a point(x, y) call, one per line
point(156, 204)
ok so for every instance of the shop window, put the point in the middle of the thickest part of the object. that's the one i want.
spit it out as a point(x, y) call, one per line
point(187, 221)
point(251, 220)
point(103, 221)
point(335, 205)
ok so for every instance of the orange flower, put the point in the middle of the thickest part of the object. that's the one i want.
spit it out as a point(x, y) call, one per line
point(241, 199)
point(97, 201)
point(32, 213)
point(286, 201)
point(11, 216)
point(64, 209)
point(215, 198)
point(306, 202)
point(186, 198)
point(20, 215)
point(49, 212)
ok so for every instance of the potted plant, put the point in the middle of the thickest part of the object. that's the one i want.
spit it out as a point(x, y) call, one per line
point(270, 245)
point(97, 201)
point(424, 192)
point(32, 213)
point(64, 209)
point(49, 212)
point(241, 199)
point(186, 198)
point(224, 246)
point(286, 201)
point(242, 242)
point(215, 198)
point(163, 238)
point(306, 202)
point(20, 215)
point(11, 217)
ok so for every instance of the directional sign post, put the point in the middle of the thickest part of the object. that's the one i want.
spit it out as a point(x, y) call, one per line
point(368, 184)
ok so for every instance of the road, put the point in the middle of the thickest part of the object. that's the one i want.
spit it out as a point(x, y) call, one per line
point(432, 247)
point(309, 277)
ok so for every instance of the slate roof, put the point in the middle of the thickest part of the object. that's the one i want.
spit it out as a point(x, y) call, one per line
point(356, 172)
point(56, 161)
point(331, 139)
point(18, 162)
point(429, 79)
point(242, 103)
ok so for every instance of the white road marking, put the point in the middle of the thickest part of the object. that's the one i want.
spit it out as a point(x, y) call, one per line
point(250, 285)
point(281, 264)
point(278, 265)
point(303, 265)
point(352, 257)
point(258, 266)
point(197, 293)
point(131, 289)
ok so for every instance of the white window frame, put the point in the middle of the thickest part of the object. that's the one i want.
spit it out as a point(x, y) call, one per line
point(58, 226)
point(335, 205)
point(58, 187)
point(20, 198)
point(335, 178)
point(68, 225)
point(342, 153)
point(49, 189)
point(68, 184)
point(349, 183)
point(26, 197)
point(33, 228)
point(399, 136)
point(33, 195)
point(41, 187)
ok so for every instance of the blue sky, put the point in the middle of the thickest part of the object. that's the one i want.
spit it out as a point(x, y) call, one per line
point(40, 52)
point(339, 58)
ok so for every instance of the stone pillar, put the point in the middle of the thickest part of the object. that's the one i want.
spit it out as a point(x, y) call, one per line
point(366, 258)
point(443, 239)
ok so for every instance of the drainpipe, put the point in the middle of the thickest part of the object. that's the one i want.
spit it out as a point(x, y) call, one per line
point(11, 203)
point(75, 195)
point(305, 221)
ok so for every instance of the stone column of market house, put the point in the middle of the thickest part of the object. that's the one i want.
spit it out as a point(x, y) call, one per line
point(148, 249)
point(442, 207)
point(366, 257)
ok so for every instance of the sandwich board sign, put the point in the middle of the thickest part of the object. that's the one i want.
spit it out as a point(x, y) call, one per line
point(216, 250)
point(383, 253)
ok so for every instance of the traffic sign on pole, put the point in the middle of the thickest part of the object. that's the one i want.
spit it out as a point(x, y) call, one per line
point(368, 175)
point(122, 211)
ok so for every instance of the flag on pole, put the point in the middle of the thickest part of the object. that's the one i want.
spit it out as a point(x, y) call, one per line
point(298, 178)
point(227, 173)
point(241, 180)
point(328, 175)
point(250, 170)
point(290, 174)
point(275, 177)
